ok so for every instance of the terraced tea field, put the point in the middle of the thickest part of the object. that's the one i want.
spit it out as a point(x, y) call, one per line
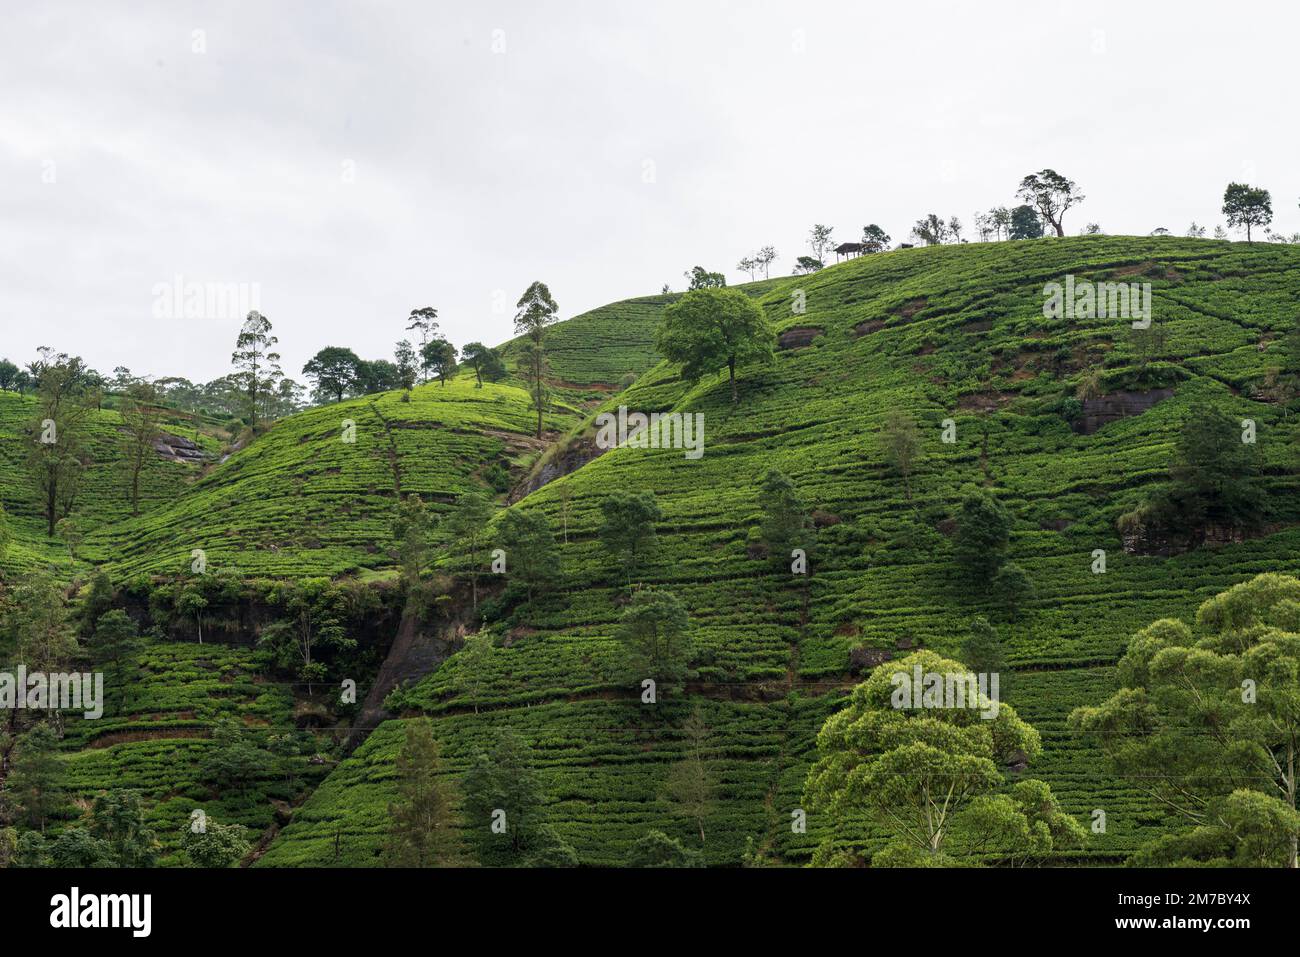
point(946, 333)
point(954, 335)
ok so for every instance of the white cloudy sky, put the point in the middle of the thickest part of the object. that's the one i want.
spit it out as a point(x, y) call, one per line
point(478, 170)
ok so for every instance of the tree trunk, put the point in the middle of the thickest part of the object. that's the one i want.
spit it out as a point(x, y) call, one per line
point(731, 367)
point(51, 498)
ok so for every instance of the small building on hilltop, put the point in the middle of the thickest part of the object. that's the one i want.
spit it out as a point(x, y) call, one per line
point(848, 250)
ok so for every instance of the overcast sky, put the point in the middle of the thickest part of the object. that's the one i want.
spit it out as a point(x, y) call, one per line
point(354, 160)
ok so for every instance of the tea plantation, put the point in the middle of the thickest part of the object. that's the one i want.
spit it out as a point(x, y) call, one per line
point(1005, 399)
point(956, 336)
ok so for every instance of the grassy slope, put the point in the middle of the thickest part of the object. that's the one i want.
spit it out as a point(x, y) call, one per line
point(960, 330)
point(156, 743)
point(301, 501)
point(103, 499)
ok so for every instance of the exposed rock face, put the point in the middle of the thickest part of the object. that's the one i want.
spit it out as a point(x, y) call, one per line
point(1148, 540)
point(798, 338)
point(1105, 409)
point(173, 448)
point(415, 653)
point(569, 459)
point(864, 659)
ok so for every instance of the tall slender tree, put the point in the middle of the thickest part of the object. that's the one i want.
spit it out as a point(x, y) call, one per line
point(257, 364)
point(141, 421)
point(537, 313)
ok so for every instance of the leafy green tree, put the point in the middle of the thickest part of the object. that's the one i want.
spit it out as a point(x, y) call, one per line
point(532, 558)
point(117, 819)
point(1051, 194)
point(34, 778)
point(141, 429)
point(536, 314)
point(1214, 471)
point(806, 264)
point(32, 850)
point(1207, 723)
point(690, 784)
point(313, 620)
point(710, 328)
point(821, 240)
point(34, 621)
point(440, 357)
point(627, 529)
point(505, 813)
point(981, 649)
point(902, 442)
point(928, 776)
point(203, 595)
point(422, 829)
point(654, 632)
point(467, 530)
point(57, 455)
point(473, 665)
point(335, 371)
point(233, 761)
point(1247, 206)
point(785, 523)
point(1024, 224)
point(8, 375)
point(698, 277)
point(96, 598)
point(931, 230)
point(75, 847)
point(377, 375)
point(982, 537)
point(114, 639)
point(1013, 588)
point(214, 845)
point(486, 363)
point(407, 363)
point(413, 528)
point(257, 368)
point(874, 239)
point(657, 849)
point(424, 321)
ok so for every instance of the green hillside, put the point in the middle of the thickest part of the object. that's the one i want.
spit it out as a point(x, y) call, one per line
point(953, 335)
point(946, 333)
point(303, 501)
point(103, 498)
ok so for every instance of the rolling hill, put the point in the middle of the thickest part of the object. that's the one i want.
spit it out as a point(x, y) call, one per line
point(955, 335)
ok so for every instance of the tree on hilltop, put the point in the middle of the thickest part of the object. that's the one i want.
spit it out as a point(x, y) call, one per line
point(485, 362)
point(335, 370)
point(1247, 206)
point(710, 328)
point(257, 365)
point(1052, 195)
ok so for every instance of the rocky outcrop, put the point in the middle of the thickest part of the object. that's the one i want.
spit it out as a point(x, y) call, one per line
point(175, 448)
point(1104, 409)
point(568, 459)
point(415, 653)
point(799, 337)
